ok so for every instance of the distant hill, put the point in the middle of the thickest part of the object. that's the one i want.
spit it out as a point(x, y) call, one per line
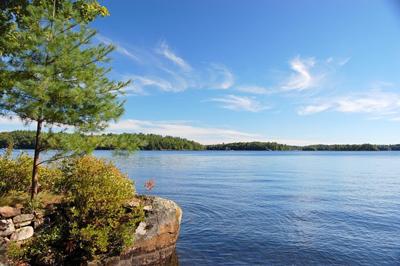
point(23, 139)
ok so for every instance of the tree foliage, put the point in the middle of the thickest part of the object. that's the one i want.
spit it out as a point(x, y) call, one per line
point(53, 74)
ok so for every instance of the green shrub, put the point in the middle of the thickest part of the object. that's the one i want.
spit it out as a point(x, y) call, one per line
point(97, 192)
point(91, 221)
point(16, 174)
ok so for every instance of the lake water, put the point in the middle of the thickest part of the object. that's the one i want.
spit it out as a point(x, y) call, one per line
point(278, 208)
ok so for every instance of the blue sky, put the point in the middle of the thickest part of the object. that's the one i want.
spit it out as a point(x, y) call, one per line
point(296, 72)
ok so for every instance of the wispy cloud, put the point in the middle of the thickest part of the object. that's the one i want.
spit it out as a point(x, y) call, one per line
point(338, 61)
point(205, 135)
point(221, 77)
point(164, 50)
point(344, 61)
point(375, 103)
point(239, 103)
point(162, 69)
point(302, 78)
point(199, 133)
point(313, 109)
point(140, 82)
point(119, 48)
point(254, 89)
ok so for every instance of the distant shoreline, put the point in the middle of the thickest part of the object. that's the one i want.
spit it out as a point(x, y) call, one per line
point(24, 139)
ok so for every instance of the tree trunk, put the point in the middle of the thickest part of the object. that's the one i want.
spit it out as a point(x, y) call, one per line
point(35, 178)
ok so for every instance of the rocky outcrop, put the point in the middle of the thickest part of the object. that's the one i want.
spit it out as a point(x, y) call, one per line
point(155, 238)
point(14, 225)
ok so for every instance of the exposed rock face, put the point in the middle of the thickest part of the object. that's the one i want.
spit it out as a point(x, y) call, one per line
point(155, 238)
point(8, 212)
point(22, 233)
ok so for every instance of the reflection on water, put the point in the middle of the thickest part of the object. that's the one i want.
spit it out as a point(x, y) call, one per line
point(281, 208)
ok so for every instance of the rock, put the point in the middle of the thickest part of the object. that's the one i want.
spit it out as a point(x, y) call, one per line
point(22, 218)
point(22, 233)
point(134, 203)
point(22, 224)
point(8, 212)
point(147, 208)
point(141, 229)
point(3, 246)
point(155, 238)
point(6, 227)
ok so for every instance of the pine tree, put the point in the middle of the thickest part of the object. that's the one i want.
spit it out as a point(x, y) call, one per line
point(52, 73)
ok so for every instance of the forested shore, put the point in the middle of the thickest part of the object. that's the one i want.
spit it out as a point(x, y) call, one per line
point(23, 139)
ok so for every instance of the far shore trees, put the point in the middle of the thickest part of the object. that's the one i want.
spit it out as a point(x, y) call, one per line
point(53, 75)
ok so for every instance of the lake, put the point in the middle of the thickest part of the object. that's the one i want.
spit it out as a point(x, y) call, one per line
point(278, 208)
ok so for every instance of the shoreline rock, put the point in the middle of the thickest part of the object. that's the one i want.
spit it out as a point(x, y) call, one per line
point(155, 238)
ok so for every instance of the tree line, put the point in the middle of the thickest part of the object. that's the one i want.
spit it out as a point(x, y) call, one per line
point(273, 146)
point(24, 139)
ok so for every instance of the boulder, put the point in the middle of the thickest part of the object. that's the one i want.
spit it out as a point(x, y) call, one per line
point(6, 227)
point(155, 238)
point(23, 220)
point(9, 212)
point(22, 233)
point(17, 225)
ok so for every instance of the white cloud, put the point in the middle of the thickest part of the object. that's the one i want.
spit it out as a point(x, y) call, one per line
point(338, 61)
point(118, 47)
point(158, 69)
point(254, 89)
point(205, 135)
point(169, 54)
point(302, 79)
point(11, 121)
point(379, 104)
point(140, 82)
point(202, 134)
point(239, 103)
point(344, 61)
point(312, 109)
point(221, 77)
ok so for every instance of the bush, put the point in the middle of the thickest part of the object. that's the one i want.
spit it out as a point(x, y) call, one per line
point(91, 221)
point(16, 174)
point(97, 192)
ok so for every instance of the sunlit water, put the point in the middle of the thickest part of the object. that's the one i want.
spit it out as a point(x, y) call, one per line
point(278, 208)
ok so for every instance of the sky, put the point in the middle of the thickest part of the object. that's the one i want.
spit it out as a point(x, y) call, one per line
point(295, 72)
